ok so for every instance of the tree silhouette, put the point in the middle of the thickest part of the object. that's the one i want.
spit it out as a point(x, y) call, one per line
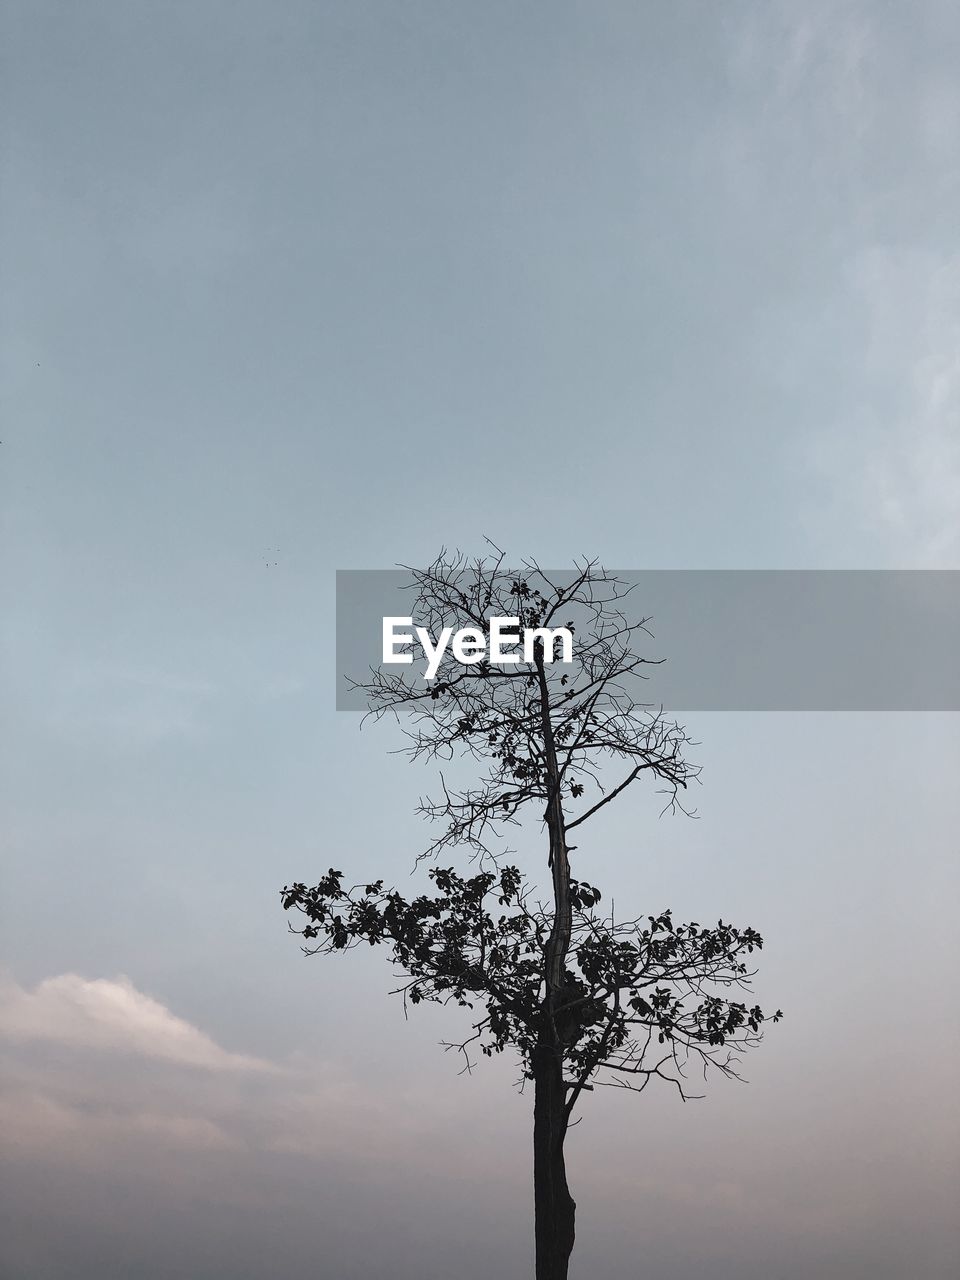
point(586, 999)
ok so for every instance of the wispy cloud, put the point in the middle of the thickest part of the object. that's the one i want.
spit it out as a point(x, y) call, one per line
point(894, 462)
point(823, 49)
point(830, 97)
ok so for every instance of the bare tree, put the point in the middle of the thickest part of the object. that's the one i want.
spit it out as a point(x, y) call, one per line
point(586, 998)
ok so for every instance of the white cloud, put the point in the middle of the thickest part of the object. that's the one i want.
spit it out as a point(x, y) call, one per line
point(92, 1068)
point(111, 1014)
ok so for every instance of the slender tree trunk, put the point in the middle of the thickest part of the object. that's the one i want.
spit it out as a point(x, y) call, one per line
point(554, 1207)
point(559, 941)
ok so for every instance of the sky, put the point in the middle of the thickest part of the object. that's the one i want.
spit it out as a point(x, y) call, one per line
point(305, 287)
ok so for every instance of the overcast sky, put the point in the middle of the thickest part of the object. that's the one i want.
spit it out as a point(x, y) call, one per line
point(304, 286)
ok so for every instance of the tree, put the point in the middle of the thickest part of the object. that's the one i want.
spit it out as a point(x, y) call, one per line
point(585, 998)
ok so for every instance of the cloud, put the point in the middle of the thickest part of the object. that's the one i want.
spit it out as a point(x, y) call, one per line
point(822, 51)
point(870, 348)
point(33, 1121)
point(911, 480)
point(810, 78)
point(94, 1071)
point(111, 1014)
point(119, 1113)
point(894, 462)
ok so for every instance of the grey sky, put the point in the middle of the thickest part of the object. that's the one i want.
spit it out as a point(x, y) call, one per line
point(292, 288)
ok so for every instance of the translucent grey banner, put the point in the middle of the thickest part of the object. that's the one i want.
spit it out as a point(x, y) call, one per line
point(740, 639)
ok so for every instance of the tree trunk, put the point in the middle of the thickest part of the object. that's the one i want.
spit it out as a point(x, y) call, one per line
point(554, 1207)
